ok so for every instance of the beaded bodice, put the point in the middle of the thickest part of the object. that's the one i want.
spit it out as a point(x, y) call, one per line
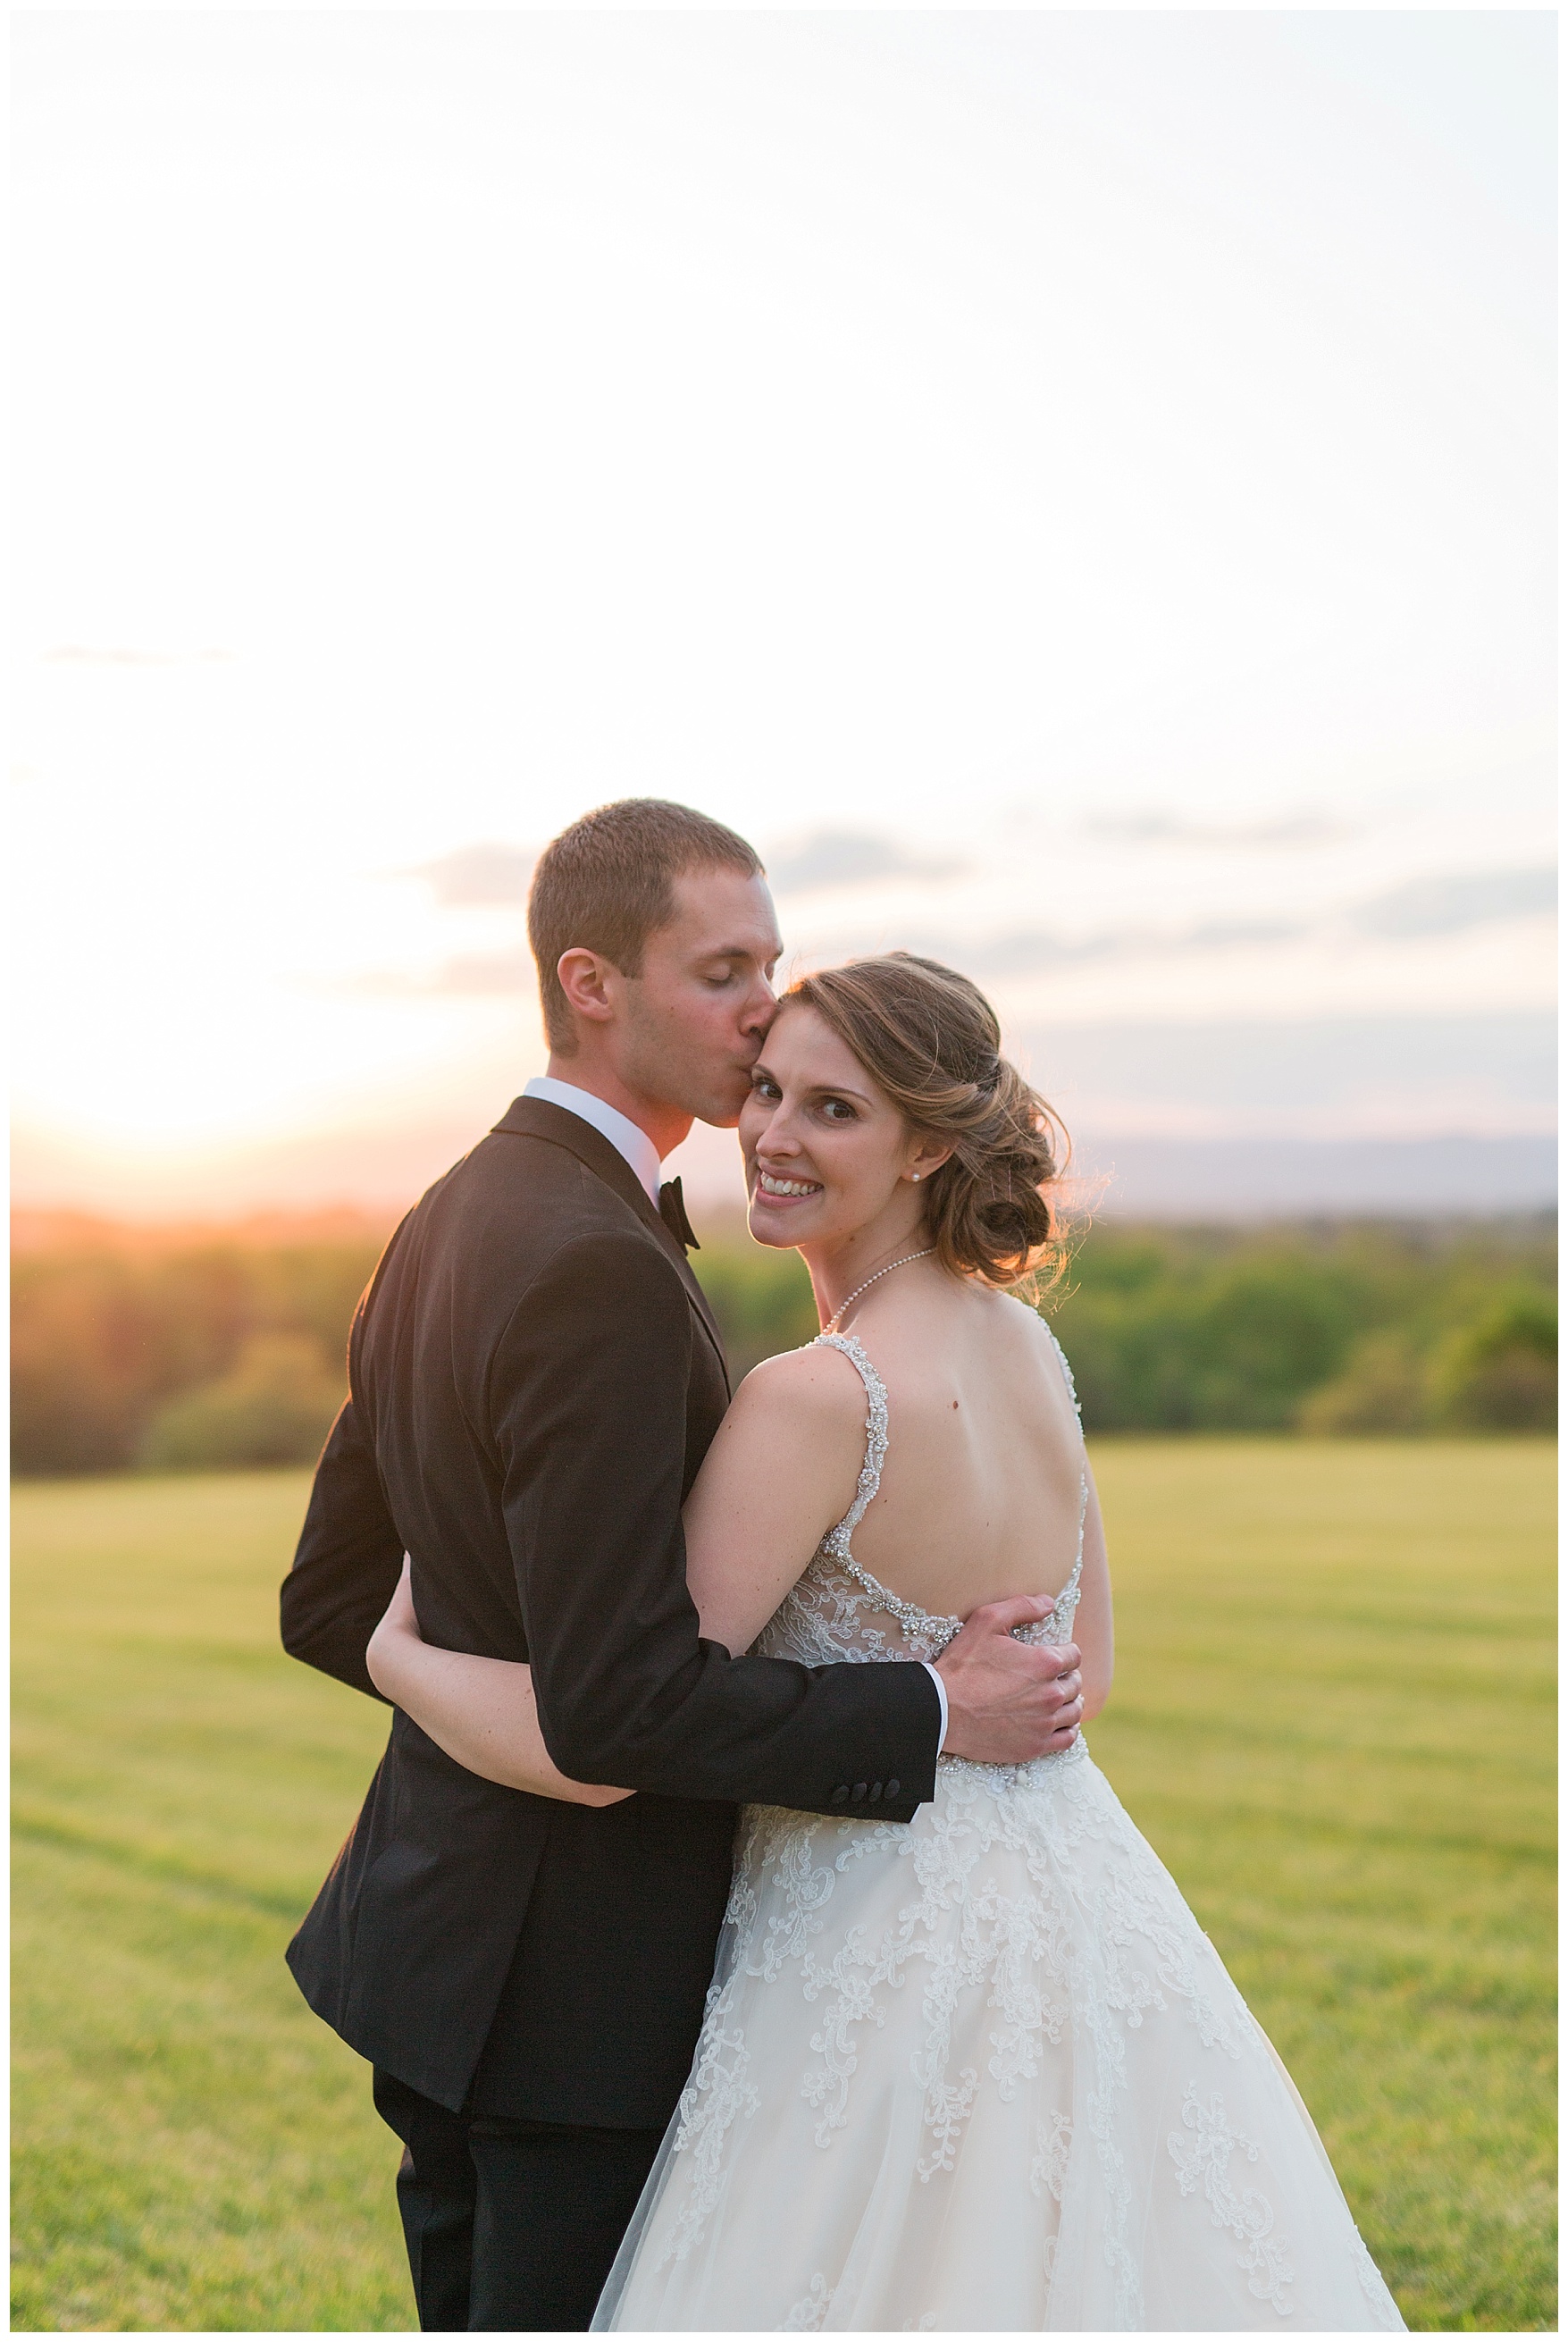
point(836, 1610)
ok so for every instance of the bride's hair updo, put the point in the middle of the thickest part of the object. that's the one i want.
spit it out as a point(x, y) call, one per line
point(930, 1038)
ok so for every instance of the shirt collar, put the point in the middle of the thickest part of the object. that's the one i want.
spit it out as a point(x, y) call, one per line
point(622, 1133)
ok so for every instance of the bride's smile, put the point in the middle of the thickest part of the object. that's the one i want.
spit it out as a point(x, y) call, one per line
point(832, 1165)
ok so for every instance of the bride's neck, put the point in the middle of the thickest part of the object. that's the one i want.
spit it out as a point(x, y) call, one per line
point(837, 1267)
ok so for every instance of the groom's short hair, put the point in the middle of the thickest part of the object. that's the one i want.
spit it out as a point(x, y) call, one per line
point(608, 881)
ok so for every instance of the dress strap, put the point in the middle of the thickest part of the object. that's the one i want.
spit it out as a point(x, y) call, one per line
point(914, 1621)
point(875, 1435)
point(1066, 1601)
point(1066, 1370)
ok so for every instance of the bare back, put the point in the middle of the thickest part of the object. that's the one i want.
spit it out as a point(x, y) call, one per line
point(934, 1451)
point(982, 1489)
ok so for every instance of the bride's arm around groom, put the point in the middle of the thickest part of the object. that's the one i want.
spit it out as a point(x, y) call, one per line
point(535, 1377)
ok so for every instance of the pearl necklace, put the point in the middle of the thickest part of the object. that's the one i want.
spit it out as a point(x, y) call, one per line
point(870, 1281)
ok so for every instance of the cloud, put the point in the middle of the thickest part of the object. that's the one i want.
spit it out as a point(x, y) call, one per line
point(1225, 935)
point(829, 858)
point(1021, 951)
point(94, 654)
point(1025, 951)
point(847, 858)
point(1445, 906)
point(488, 973)
point(1426, 906)
point(476, 976)
point(1283, 832)
point(478, 873)
point(1394, 1074)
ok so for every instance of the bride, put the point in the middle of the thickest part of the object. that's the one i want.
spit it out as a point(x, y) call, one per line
point(981, 2070)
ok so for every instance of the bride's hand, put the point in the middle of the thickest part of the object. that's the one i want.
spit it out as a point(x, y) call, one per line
point(399, 1623)
point(481, 1711)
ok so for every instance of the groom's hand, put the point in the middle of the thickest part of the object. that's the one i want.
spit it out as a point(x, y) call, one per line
point(1007, 1701)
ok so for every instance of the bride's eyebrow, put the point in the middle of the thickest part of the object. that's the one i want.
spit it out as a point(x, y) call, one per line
point(761, 1073)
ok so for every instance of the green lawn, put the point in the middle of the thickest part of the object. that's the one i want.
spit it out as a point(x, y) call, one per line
point(1332, 1717)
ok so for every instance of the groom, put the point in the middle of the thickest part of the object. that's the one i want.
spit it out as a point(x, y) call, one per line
point(535, 1377)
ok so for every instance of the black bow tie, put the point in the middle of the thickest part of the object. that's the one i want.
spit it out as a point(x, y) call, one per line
point(672, 1212)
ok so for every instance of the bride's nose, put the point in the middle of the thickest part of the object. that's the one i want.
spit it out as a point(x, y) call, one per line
point(779, 1138)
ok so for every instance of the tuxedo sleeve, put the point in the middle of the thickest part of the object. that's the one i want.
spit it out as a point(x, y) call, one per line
point(587, 1403)
point(347, 1563)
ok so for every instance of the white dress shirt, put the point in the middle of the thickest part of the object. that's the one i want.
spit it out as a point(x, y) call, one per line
point(624, 1135)
point(630, 1141)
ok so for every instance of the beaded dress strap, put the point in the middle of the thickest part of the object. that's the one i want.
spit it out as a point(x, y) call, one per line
point(837, 1539)
point(910, 1617)
point(1069, 1593)
point(1066, 1370)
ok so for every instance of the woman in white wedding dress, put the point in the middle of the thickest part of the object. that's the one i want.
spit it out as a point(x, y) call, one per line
point(981, 2070)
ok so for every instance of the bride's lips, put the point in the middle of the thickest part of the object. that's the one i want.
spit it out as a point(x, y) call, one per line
point(781, 1194)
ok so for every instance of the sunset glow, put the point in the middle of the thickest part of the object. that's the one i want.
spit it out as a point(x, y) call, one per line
point(924, 441)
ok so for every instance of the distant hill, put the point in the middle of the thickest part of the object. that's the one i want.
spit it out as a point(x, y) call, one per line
point(1262, 1178)
point(202, 1347)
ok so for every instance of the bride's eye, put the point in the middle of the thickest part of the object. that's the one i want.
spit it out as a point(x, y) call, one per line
point(838, 1110)
point(764, 1088)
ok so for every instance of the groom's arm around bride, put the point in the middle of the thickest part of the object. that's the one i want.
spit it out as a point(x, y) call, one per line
point(535, 1377)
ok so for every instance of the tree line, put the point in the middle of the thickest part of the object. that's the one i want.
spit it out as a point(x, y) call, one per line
point(207, 1349)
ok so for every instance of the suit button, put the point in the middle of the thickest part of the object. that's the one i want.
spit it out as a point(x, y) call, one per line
point(890, 1788)
point(857, 1795)
point(873, 1793)
point(841, 1795)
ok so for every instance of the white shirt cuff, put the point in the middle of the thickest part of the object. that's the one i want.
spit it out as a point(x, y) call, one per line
point(942, 1695)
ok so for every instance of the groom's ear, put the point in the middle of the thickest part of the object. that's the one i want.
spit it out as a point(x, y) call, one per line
point(588, 979)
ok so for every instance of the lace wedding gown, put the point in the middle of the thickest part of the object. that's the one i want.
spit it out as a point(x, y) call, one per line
point(981, 2070)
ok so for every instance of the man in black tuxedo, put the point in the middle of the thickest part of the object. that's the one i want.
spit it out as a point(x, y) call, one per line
point(534, 1376)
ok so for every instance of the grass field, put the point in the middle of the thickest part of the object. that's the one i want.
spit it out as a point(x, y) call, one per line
point(1332, 1717)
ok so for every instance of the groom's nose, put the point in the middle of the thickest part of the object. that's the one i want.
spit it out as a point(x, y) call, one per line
point(761, 1008)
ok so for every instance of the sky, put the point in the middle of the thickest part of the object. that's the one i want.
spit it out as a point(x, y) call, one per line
point(1075, 489)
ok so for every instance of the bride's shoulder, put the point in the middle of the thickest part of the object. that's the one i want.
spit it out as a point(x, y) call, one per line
point(803, 1413)
point(814, 1384)
point(1021, 1317)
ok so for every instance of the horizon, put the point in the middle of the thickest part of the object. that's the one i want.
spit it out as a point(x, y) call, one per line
point(51, 1227)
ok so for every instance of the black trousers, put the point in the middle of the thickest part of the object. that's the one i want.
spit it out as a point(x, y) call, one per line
point(511, 2227)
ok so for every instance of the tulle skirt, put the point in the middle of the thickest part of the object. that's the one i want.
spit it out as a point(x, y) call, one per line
point(984, 2071)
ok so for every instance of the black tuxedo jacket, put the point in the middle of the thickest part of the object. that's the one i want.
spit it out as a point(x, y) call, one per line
point(534, 1376)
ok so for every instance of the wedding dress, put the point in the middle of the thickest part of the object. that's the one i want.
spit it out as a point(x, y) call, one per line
point(978, 2071)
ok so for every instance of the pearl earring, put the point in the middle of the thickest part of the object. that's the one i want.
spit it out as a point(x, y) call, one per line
point(915, 1177)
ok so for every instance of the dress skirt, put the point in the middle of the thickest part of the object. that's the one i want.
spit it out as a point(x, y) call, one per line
point(984, 2071)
